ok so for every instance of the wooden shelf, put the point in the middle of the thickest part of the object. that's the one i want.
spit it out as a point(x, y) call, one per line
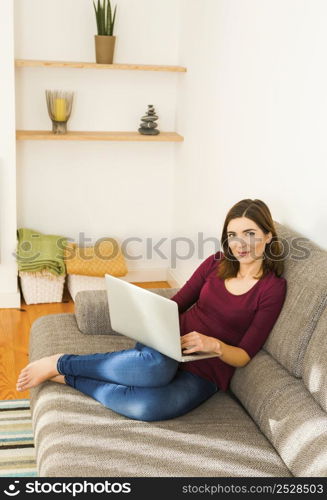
point(90, 65)
point(45, 135)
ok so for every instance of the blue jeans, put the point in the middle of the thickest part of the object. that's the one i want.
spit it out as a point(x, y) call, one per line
point(140, 383)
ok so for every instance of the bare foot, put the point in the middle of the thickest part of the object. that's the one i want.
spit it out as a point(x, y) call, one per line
point(37, 372)
point(59, 378)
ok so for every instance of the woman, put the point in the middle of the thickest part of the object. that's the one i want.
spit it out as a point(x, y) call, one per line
point(228, 306)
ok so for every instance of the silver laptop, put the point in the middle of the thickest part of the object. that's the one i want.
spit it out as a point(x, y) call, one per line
point(148, 318)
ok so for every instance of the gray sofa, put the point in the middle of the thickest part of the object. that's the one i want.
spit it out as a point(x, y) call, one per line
point(271, 422)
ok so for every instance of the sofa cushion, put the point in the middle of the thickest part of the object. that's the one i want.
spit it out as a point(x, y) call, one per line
point(286, 413)
point(76, 436)
point(92, 310)
point(315, 364)
point(306, 275)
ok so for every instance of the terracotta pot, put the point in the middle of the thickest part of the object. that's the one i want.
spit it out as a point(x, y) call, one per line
point(104, 48)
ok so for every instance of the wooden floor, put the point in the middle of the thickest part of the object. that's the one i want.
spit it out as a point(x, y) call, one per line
point(15, 326)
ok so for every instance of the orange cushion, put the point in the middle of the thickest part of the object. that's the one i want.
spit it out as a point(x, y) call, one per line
point(104, 258)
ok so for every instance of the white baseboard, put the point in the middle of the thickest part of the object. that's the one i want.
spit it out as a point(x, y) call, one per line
point(10, 300)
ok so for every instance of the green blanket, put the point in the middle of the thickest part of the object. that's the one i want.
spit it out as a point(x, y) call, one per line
point(37, 251)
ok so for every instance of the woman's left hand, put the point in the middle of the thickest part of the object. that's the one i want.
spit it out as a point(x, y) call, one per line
point(195, 341)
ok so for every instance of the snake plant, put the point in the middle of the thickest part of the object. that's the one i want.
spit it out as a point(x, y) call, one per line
point(104, 18)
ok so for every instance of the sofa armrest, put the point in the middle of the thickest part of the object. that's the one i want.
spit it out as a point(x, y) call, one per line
point(92, 310)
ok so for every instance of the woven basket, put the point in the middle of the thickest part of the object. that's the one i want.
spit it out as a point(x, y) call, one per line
point(41, 287)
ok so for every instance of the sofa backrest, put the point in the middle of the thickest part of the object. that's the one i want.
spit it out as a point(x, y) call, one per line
point(315, 363)
point(283, 387)
point(306, 299)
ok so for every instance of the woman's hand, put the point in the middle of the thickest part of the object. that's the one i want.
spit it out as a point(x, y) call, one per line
point(195, 341)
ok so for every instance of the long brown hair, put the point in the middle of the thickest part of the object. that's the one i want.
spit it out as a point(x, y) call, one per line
point(258, 212)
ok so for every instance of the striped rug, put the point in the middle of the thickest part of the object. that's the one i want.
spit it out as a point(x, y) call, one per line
point(17, 454)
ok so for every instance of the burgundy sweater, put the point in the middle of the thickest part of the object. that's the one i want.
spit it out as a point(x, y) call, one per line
point(239, 320)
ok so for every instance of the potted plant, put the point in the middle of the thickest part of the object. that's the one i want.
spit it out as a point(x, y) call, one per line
point(104, 40)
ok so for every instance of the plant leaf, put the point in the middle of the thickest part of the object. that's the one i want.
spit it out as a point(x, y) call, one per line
point(97, 18)
point(109, 26)
point(105, 15)
point(113, 20)
point(102, 20)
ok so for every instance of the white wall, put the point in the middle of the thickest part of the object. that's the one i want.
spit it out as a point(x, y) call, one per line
point(251, 107)
point(116, 189)
point(9, 295)
point(253, 113)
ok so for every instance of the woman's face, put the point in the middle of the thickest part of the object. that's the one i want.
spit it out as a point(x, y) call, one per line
point(246, 240)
